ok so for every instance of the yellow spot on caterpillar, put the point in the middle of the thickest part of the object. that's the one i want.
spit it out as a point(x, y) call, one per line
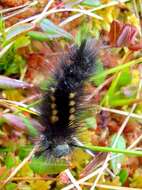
point(54, 112)
point(71, 117)
point(53, 98)
point(53, 106)
point(72, 110)
point(53, 89)
point(71, 95)
point(54, 119)
point(72, 103)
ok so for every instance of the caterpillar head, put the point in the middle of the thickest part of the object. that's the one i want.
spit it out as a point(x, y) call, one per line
point(61, 150)
point(54, 148)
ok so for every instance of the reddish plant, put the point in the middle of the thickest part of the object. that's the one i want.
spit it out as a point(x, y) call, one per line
point(124, 35)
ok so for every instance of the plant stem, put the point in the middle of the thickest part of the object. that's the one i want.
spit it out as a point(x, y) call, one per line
point(117, 69)
point(110, 149)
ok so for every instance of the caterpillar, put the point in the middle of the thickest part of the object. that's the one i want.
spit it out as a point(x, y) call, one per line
point(61, 103)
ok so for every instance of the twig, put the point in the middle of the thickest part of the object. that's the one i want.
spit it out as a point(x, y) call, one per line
point(75, 183)
point(135, 142)
point(32, 98)
point(120, 112)
point(71, 18)
point(19, 106)
point(96, 91)
point(41, 16)
point(82, 179)
point(21, 10)
point(81, 144)
point(13, 8)
point(86, 12)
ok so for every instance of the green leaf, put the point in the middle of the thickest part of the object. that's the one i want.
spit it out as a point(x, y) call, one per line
point(98, 70)
point(11, 62)
point(3, 150)
point(42, 165)
point(42, 36)
point(115, 85)
point(16, 66)
point(51, 28)
point(125, 77)
point(11, 186)
point(7, 58)
point(45, 84)
point(116, 162)
point(22, 41)
point(2, 25)
point(9, 161)
point(90, 122)
point(2, 29)
point(91, 3)
point(116, 101)
point(5, 49)
point(123, 175)
point(24, 151)
point(32, 131)
point(118, 68)
point(114, 96)
point(83, 33)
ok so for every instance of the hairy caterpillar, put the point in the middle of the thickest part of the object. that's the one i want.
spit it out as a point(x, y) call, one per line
point(61, 103)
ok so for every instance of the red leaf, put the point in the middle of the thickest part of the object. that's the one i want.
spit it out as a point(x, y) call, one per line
point(121, 35)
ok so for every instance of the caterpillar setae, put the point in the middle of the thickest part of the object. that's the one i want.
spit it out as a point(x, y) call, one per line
point(61, 102)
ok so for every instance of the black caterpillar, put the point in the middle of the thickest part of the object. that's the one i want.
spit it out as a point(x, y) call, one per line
point(61, 103)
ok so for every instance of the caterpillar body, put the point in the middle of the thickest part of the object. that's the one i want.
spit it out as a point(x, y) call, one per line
point(61, 103)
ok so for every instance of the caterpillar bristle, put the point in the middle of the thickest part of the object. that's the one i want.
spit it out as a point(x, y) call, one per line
point(60, 104)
